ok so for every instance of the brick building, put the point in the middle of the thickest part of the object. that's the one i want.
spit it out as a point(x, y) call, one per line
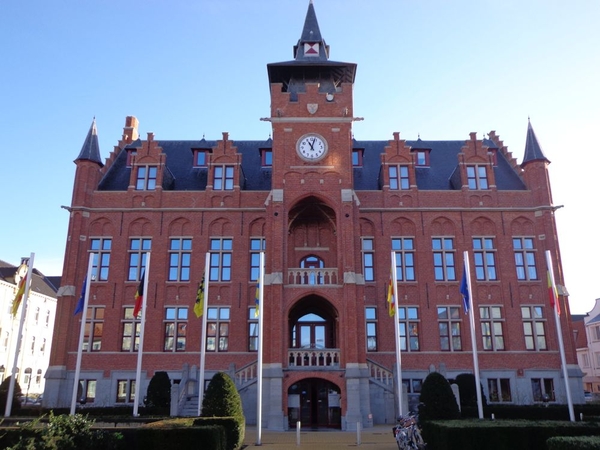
point(328, 210)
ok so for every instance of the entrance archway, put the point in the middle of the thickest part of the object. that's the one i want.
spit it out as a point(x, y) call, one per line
point(315, 403)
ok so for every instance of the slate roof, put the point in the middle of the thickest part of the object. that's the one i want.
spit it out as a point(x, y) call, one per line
point(90, 150)
point(39, 282)
point(533, 150)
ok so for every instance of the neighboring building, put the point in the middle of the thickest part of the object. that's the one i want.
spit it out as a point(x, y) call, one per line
point(587, 330)
point(328, 209)
point(38, 327)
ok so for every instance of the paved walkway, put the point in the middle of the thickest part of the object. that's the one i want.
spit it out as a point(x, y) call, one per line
point(379, 437)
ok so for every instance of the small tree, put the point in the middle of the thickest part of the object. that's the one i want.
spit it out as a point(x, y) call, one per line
point(222, 399)
point(158, 394)
point(437, 400)
point(16, 404)
point(468, 394)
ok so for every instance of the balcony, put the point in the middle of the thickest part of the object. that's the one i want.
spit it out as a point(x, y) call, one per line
point(314, 277)
point(311, 358)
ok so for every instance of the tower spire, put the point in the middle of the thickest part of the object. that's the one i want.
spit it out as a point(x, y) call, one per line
point(533, 150)
point(311, 46)
point(90, 149)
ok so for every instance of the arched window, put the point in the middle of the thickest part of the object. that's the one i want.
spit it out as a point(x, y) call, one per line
point(309, 332)
point(312, 275)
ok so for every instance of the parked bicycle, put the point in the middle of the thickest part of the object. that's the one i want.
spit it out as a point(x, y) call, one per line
point(407, 434)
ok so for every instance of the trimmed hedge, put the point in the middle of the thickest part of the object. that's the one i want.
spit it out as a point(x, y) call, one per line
point(235, 429)
point(534, 412)
point(204, 437)
point(574, 443)
point(500, 434)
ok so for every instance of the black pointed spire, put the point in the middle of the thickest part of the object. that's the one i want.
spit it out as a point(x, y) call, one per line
point(90, 151)
point(311, 45)
point(533, 151)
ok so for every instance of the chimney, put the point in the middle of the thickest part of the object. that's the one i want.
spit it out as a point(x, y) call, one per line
point(130, 130)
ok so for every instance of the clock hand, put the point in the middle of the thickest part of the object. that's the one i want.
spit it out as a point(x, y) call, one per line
point(312, 143)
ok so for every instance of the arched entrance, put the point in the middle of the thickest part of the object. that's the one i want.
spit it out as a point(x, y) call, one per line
point(315, 403)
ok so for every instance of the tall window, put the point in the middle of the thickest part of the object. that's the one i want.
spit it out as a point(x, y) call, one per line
point(485, 258)
point(399, 178)
point(357, 158)
point(88, 390)
point(43, 346)
point(220, 259)
point(180, 255)
point(525, 258)
point(47, 319)
point(32, 345)
point(138, 247)
point(543, 389)
point(499, 390)
point(534, 327)
point(94, 325)
point(146, 178)
point(409, 328)
point(223, 178)
point(130, 339)
point(405, 258)
point(266, 157)
point(596, 333)
point(477, 177)
point(38, 376)
point(371, 319)
point(312, 275)
point(422, 158)
point(217, 334)
point(176, 321)
point(200, 158)
point(252, 330)
point(449, 326)
point(101, 249)
point(257, 245)
point(125, 391)
point(491, 327)
point(443, 259)
point(368, 254)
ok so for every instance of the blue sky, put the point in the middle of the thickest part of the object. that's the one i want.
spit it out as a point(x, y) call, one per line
point(187, 69)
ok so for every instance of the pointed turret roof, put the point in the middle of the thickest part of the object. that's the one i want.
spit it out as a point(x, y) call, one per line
point(311, 46)
point(90, 151)
point(533, 151)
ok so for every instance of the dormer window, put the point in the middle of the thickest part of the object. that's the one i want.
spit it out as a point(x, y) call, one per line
point(200, 158)
point(399, 177)
point(266, 157)
point(223, 178)
point(357, 158)
point(130, 155)
point(422, 158)
point(477, 177)
point(146, 178)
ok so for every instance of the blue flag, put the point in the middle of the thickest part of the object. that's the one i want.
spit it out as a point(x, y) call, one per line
point(464, 290)
point(81, 301)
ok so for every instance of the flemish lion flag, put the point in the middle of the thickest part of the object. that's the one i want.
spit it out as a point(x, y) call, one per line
point(199, 305)
point(22, 272)
point(139, 297)
point(390, 298)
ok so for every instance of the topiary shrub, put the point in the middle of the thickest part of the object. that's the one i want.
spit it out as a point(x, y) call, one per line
point(16, 403)
point(158, 395)
point(466, 387)
point(437, 400)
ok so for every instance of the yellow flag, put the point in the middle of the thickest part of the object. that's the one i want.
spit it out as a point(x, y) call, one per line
point(199, 305)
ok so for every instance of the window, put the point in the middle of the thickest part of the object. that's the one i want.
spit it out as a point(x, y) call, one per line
point(499, 390)
point(405, 258)
point(37, 315)
point(223, 178)
point(180, 256)
point(101, 249)
point(2, 373)
point(596, 333)
point(32, 345)
point(257, 245)
point(422, 158)
point(357, 158)
point(584, 360)
point(125, 391)
point(312, 275)
point(371, 319)
point(543, 389)
point(27, 376)
point(47, 320)
point(443, 259)
point(146, 178)
point(38, 376)
point(399, 178)
point(266, 158)
point(87, 391)
point(413, 385)
point(94, 324)
point(533, 327)
point(477, 177)
point(368, 259)
point(138, 247)
point(252, 331)
point(200, 158)
point(130, 339)
point(485, 258)
point(491, 327)
point(409, 328)
point(43, 346)
point(175, 329)
point(449, 326)
point(220, 259)
point(217, 334)
point(525, 258)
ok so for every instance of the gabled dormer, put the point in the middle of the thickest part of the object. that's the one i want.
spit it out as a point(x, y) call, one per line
point(148, 167)
point(397, 166)
point(475, 166)
point(225, 172)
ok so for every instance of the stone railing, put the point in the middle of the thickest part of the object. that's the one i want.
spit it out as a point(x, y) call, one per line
point(319, 277)
point(327, 357)
point(381, 374)
point(246, 374)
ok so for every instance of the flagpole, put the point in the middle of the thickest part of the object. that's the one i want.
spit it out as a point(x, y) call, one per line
point(259, 374)
point(473, 338)
point(138, 373)
point(23, 306)
point(203, 335)
point(560, 338)
point(397, 332)
point(86, 297)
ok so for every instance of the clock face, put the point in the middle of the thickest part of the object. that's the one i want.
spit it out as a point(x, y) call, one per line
point(311, 147)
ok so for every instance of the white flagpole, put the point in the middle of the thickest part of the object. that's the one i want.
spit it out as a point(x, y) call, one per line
point(138, 373)
point(203, 335)
point(560, 338)
point(261, 290)
point(23, 306)
point(397, 332)
point(473, 338)
point(86, 298)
